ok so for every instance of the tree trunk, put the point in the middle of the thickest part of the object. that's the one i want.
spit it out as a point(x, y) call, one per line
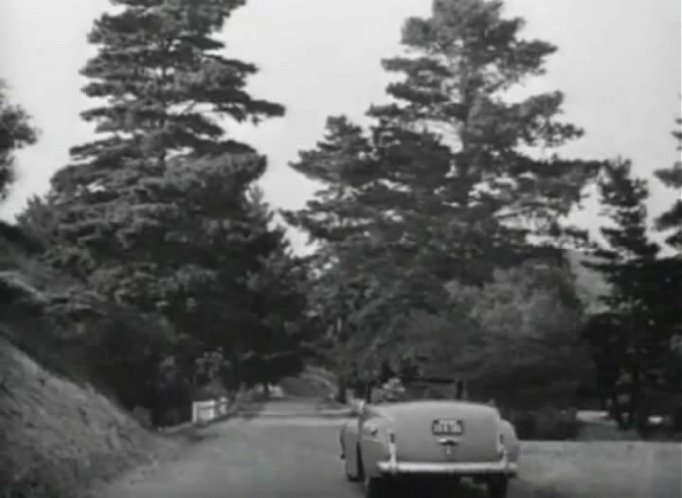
point(618, 410)
point(642, 411)
point(341, 396)
point(640, 406)
point(604, 402)
point(368, 392)
point(677, 418)
point(460, 392)
point(156, 414)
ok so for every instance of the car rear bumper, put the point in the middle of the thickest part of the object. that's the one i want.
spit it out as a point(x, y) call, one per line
point(503, 466)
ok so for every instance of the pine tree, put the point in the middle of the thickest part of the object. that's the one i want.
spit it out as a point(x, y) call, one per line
point(461, 62)
point(441, 187)
point(276, 291)
point(635, 342)
point(669, 272)
point(629, 339)
point(672, 177)
point(162, 86)
point(156, 213)
point(164, 83)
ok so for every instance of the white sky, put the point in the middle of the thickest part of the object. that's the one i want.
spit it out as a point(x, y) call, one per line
point(618, 64)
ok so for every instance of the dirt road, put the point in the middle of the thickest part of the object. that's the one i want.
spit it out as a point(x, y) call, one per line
point(284, 452)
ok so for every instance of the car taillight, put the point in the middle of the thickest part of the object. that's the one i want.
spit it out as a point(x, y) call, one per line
point(500, 444)
point(392, 449)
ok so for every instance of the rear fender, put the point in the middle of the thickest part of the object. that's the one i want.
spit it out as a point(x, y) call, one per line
point(511, 441)
point(372, 451)
point(373, 444)
point(349, 444)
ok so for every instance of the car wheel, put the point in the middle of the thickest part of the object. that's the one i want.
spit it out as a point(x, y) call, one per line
point(375, 487)
point(498, 486)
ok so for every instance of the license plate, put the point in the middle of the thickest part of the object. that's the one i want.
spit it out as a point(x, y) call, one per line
point(448, 427)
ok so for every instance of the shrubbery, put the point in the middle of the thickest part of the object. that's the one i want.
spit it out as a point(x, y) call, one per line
point(77, 334)
point(546, 424)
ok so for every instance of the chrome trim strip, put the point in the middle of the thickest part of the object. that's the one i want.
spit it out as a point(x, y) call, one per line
point(502, 466)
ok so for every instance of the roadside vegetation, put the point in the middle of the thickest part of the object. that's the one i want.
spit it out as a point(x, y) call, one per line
point(155, 270)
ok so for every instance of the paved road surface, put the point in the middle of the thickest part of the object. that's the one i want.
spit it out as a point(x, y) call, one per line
point(297, 456)
point(264, 456)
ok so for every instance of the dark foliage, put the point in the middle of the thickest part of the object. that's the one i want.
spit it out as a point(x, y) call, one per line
point(159, 218)
point(440, 188)
point(549, 424)
point(635, 342)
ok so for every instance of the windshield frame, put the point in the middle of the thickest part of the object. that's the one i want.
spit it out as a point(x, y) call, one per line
point(413, 389)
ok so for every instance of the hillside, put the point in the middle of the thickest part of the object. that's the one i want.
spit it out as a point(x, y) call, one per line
point(56, 436)
point(57, 433)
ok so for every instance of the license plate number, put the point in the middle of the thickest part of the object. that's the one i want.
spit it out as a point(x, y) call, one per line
point(448, 427)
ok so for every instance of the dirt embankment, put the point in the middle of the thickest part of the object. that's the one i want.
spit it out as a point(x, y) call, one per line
point(56, 437)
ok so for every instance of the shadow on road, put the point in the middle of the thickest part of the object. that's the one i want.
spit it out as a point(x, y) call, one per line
point(421, 489)
point(465, 489)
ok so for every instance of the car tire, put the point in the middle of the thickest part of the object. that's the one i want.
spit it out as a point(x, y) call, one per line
point(375, 487)
point(498, 487)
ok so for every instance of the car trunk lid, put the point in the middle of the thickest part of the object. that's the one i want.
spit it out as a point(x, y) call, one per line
point(444, 431)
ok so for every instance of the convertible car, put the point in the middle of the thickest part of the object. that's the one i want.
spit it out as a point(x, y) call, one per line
point(422, 431)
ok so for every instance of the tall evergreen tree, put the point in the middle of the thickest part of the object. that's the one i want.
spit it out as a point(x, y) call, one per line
point(669, 271)
point(162, 85)
point(441, 186)
point(630, 339)
point(461, 62)
point(162, 81)
point(156, 212)
point(275, 290)
point(672, 177)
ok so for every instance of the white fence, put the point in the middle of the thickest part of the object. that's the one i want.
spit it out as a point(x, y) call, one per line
point(204, 412)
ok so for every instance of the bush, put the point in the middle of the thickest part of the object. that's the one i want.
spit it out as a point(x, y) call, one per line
point(89, 340)
point(142, 416)
point(79, 334)
point(547, 424)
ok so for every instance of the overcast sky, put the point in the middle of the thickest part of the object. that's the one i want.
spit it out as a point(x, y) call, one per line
point(618, 64)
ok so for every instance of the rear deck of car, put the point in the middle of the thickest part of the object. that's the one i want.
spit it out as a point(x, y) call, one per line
point(412, 422)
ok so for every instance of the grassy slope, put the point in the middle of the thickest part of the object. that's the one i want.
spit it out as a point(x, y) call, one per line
point(55, 435)
point(58, 438)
